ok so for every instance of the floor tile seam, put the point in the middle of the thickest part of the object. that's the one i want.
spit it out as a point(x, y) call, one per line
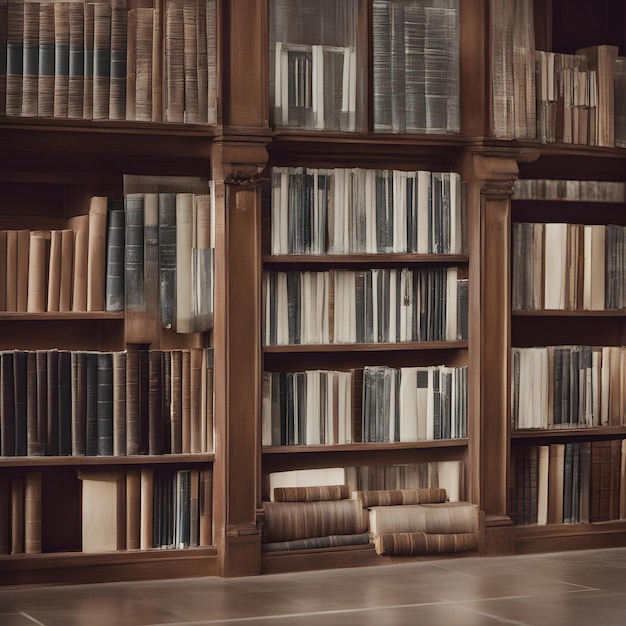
point(502, 620)
point(30, 617)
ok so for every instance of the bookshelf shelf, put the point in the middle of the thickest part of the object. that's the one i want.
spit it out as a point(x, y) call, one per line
point(570, 313)
point(360, 447)
point(367, 347)
point(361, 260)
point(54, 316)
point(564, 434)
point(106, 461)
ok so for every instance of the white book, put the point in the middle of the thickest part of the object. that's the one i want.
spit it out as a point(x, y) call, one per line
point(408, 404)
point(555, 266)
point(423, 212)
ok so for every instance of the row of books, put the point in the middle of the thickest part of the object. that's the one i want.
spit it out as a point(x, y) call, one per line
point(568, 266)
point(416, 57)
point(448, 475)
point(368, 306)
point(152, 252)
point(160, 256)
point(315, 82)
point(98, 60)
point(576, 98)
point(569, 190)
point(347, 211)
point(576, 482)
point(58, 402)
point(133, 509)
point(568, 387)
point(373, 404)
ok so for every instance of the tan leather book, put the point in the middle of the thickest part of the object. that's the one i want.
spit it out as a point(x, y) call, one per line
point(38, 259)
point(54, 271)
point(147, 508)
point(133, 509)
point(96, 254)
point(80, 225)
point(67, 270)
point(32, 512)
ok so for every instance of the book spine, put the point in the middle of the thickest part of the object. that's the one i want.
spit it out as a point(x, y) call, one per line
point(91, 405)
point(64, 367)
point(104, 402)
point(101, 60)
point(7, 405)
point(76, 61)
point(155, 403)
point(32, 513)
point(79, 402)
point(61, 58)
point(132, 402)
point(115, 246)
point(52, 388)
point(117, 92)
point(134, 252)
point(167, 258)
point(30, 77)
point(119, 403)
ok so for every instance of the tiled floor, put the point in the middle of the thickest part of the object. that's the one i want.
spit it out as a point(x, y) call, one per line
point(586, 588)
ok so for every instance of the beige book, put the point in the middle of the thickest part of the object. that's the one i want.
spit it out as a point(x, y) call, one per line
point(184, 231)
point(67, 270)
point(622, 483)
point(32, 512)
point(147, 508)
point(594, 267)
point(555, 483)
point(104, 510)
point(96, 254)
point(133, 509)
point(542, 485)
point(11, 271)
point(459, 517)
point(38, 259)
point(17, 514)
point(23, 253)
point(54, 271)
point(80, 225)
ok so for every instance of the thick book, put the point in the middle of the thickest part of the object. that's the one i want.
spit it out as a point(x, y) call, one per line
point(61, 58)
point(32, 512)
point(101, 60)
point(14, 57)
point(96, 253)
point(7, 404)
point(117, 89)
point(146, 538)
point(20, 381)
point(453, 517)
point(78, 362)
point(155, 403)
point(104, 402)
point(119, 403)
point(184, 232)
point(314, 493)
point(54, 271)
point(64, 381)
point(287, 521)
point(396, 497)
point(332, 541)
point(132, 402)
point(115, 247)
point(417, 543)
point(17, 514)
point(151, 254)
point(52, 401)
point(80, 225)
point(167, 258)
point(134, 252)
point(38, 260)
point(30, 77)
point(174, 65)
point(91, 404)
point(133, 509)
point(103, 510)
point(67, 270)
point(206, 506)
point(76, 64)
point(88, 57)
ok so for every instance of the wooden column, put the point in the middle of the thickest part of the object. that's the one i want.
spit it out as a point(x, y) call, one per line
point(239, 155)
point(491, 174)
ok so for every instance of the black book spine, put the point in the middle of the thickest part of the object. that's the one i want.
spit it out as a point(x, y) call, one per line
point(52, 388)
point(133, 259)
point(144, 401)
point(20, 397)
point(38, 444)
point(7, 404)
point(155, 403)
point(65, 402)
point(167, 257)
point(104, 400)
point(115, 258)
point(79, 402)
point(91, 408)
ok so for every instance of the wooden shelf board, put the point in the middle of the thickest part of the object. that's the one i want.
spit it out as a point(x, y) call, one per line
point(368, 347)
point(52, 316)
point(596, 432)
point(346, 556)
point(360, 447)
point(81, 567)
point(556, 537)
point(337, 260)
point(108, 461)
point(570, 313)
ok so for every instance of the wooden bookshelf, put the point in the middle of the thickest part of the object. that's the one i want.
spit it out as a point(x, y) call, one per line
point(50, 165)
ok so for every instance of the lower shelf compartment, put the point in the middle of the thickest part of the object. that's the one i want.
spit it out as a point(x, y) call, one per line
point(82, 567)
point(561, 537)
point(345, 556)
